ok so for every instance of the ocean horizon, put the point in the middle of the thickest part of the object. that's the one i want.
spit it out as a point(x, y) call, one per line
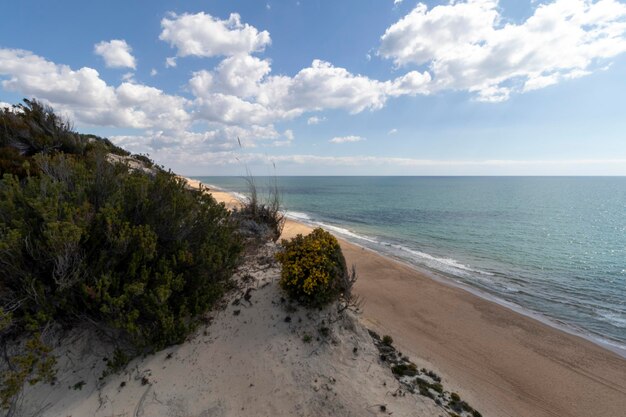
point(551, 247)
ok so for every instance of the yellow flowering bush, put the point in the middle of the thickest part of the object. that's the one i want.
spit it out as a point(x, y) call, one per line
point(313, 268)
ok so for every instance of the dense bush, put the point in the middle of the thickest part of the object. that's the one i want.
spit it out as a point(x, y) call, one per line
point(313, 268)
point(85, 239)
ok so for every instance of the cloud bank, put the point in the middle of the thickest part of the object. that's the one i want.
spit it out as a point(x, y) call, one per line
point(463, 46)
point(468, 45)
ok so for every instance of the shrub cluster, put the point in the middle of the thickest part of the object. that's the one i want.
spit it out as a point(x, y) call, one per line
point(313, 268)
point(85, 239)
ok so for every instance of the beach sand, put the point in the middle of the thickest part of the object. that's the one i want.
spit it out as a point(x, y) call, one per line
point(504, 363)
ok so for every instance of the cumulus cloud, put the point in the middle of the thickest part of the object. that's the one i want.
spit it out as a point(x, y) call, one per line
point(346, 139)
point(314, 120)
point(203, 35)
point(116, 53)
point(241, 88)
point(239, 98)
point(467, 45)
point(88, 99)
point(170, 62)
point(392, 131)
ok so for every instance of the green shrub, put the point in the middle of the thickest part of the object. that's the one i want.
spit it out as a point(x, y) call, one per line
point(313, 268)
point(85, 239)
point(404, 369)
point(387, 340)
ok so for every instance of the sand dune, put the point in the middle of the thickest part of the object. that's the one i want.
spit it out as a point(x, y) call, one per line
point(257, 356)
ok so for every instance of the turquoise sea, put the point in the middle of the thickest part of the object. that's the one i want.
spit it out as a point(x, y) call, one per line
point(553, 246)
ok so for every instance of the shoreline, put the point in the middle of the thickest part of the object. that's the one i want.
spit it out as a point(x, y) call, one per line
point(443, 278)
point(504, 362)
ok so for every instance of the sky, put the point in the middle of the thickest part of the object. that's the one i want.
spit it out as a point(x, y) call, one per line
point(320, 87)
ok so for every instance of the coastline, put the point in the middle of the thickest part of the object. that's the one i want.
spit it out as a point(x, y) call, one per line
point(504, 362)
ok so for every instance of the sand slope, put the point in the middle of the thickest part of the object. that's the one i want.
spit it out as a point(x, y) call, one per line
point(500, 361)
point(250, 360)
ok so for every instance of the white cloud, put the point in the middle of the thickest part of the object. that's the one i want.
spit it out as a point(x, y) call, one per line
point(153, 72)
point(346, 139)
point(116, 53)
point(468, 46)
point(314, 120)
point(392, 131)
point(88, 99)
point(203, 35)
point(241, 88)
point(4, 105)
point(288, 139)
point(396, 2)
point(238, 75)
point(170, 62)
point(217, 138)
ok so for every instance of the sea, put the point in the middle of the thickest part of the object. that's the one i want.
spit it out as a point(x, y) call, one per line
point(551, 247)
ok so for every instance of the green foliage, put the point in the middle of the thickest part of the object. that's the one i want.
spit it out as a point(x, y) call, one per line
point(33, 365)
point(141, 253)
point(79, 385)
point(119, 360)
point(83, 238)
point(387, 340)
point(404, 369)
point(313, 268)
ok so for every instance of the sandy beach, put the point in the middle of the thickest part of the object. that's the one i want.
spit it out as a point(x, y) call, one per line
point(502, 362)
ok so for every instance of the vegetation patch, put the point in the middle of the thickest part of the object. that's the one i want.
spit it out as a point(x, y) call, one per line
point(86, 239)
point(423, 382)
point(313, 268)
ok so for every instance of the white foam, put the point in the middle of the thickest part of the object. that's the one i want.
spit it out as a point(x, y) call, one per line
point(239, 196)
point(296, 215)
point(347, 232)
point(445, 262)
point(613, 318)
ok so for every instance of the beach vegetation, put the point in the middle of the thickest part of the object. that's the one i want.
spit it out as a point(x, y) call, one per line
point(78, 386)
point(313, 268)
point(85, 239)
point(387, 340)
point(404, 369)
point(260, 217)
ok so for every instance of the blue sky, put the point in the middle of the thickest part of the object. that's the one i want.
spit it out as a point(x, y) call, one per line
point(475, 87)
